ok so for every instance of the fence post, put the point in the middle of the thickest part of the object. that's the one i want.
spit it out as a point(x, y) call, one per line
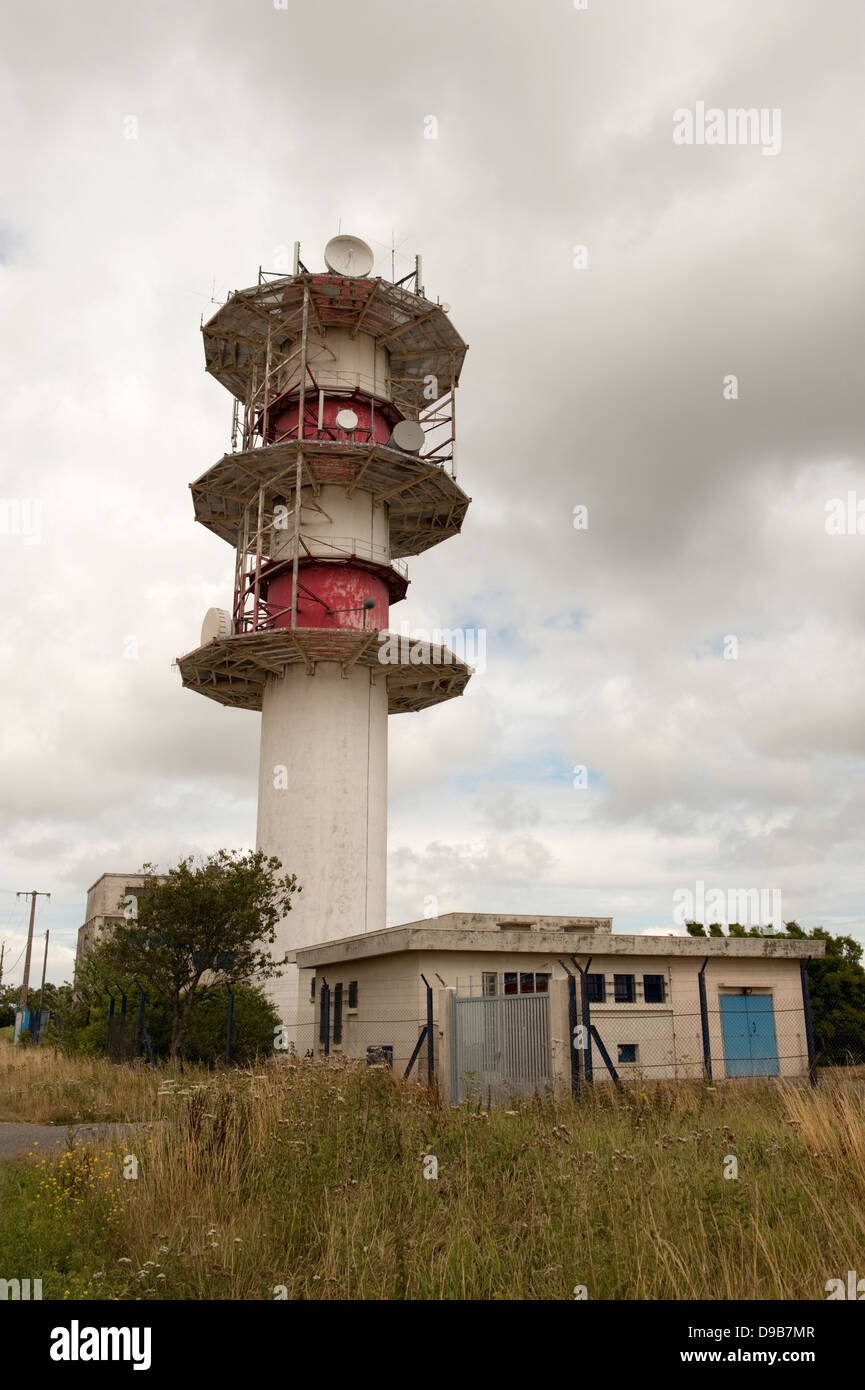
point(139, 1027)
point(230, 1029)
point(430, 1043)
point(122, 1048)
point(109, 1040)
point(586, 1021)
point(572, 1031)
point(704, 1021)
point(809, 1023)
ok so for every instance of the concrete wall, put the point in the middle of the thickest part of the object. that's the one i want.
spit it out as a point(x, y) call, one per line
point(391, 1009)
point(103, 899)
point(778, 977)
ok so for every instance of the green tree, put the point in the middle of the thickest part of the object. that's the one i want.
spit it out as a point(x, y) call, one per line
point(198, 928)
point(255, 1022)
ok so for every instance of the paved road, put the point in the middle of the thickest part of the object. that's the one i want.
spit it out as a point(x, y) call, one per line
point(19, 1140)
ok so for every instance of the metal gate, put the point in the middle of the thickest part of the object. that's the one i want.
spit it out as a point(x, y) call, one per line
point(500, 1046)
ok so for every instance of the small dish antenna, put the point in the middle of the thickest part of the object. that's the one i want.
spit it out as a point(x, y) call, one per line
point(348, 255)
point(346, 419)
point(408, 436)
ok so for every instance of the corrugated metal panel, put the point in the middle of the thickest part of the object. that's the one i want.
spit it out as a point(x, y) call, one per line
point(500, 1046)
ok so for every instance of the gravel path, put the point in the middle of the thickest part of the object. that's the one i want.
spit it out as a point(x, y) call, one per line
point(18, 1140)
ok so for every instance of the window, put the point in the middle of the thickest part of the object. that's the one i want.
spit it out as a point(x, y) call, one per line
point(529, 981)
point(323, 1014)
point(653, 989)
point(627, 1051)
point(490, 982)
point(597, 987)
point(337, 1013)
point(312, 988)
point(624, 989)
point(352, 994)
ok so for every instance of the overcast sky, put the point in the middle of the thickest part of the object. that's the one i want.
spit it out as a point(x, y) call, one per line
point(599, 385)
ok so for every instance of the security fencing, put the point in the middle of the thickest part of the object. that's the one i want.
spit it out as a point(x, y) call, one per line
point(385, 1021)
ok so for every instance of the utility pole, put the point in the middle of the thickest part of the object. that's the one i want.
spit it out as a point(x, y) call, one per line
point(25, 983)
point(42, 990)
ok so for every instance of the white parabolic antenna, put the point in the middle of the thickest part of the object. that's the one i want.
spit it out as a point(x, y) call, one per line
point(408, 436)
point(348, 255)
point(346, 419)
point(217, 623)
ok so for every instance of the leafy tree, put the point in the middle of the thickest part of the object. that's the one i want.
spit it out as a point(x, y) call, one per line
point(255, 1023)
point(198, 928)
point(8, 1004)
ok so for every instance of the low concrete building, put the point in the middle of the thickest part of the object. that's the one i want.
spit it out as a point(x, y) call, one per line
point(507, 994)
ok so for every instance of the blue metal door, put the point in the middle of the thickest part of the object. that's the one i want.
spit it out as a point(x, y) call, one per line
point(748, 1026)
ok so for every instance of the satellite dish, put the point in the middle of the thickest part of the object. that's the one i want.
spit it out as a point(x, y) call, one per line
point(346, 419)
point(217, 623)
point(348, 255)
point(408, 436)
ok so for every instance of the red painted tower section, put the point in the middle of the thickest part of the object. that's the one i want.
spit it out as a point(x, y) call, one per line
point(330, 595)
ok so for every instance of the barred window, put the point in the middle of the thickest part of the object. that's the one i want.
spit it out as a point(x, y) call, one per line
point(352, 994)
point(490, 982)
point(627, 1052)
point(597, 987)
point(624, 989)
point(337, 1013)
point(526, 982)
point(322, 1017)
point(653, 989)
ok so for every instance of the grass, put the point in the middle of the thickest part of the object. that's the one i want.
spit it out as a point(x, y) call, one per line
point(40, 1086)
point(310, 1177)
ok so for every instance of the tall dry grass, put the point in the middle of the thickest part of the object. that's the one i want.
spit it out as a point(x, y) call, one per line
point(41, 1086)
point(310, 1177)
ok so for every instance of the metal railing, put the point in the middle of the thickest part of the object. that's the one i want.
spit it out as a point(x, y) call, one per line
point(341, 548)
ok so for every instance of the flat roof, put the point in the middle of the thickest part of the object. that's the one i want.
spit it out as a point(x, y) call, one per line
point(563, 936)
point(112, 874)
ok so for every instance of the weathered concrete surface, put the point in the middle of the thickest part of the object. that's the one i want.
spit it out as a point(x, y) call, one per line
point(17, 1140)
point(23, 1140)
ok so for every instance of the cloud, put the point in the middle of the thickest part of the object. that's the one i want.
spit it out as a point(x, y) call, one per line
point(600, 387)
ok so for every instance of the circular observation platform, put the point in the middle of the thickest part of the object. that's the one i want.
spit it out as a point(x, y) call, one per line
point(420, 339)
point(425, 504)
point(233, 670)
